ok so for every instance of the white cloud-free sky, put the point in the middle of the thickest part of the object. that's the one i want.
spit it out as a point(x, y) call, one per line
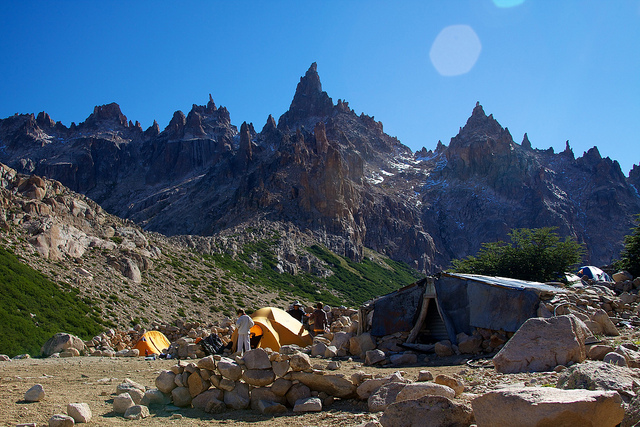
point(558, 70)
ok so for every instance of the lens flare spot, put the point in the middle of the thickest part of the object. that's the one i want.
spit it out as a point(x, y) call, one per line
point(507, 3)
point(455, 50)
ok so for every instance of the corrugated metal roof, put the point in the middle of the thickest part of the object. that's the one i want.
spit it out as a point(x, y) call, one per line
point(506, 282)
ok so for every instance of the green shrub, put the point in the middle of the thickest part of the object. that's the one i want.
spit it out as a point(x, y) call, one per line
point(630, 256)
point(533, 254)
point(33, 309)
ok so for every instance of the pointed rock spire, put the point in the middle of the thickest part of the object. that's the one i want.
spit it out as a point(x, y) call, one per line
point(245, 152)
point(211, 106)
point(270, 126)
point(525, 142)
point(308, 102)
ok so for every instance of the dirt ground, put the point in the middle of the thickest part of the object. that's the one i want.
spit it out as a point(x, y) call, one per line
point(93, 380)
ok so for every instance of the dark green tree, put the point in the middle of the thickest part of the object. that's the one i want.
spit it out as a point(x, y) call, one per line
point(630, 255)
point(533, 254)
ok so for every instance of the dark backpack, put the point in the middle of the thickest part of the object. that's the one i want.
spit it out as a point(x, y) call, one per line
point(212, 345)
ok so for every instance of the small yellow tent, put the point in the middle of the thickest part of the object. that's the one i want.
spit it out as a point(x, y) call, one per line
point(278, 328)
point(152, 342)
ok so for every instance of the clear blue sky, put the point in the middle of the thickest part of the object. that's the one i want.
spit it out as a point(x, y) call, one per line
point(558, 70)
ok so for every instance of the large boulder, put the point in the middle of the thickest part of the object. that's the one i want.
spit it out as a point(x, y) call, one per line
point(537, 406)
point(230, 369)
point(209, 401)
point(427, 411)
point(60, 342)
point(34, 394)
point(359, 345)
point(238, 398)
point(165, 382)
point(542, 344)
point(384, 396)
point(258, 377)
point(80, 412)
point(299, 362)
point(333, 385)
point(257, 359)
point(601, 376)
point(368, 387)
point(415, 391)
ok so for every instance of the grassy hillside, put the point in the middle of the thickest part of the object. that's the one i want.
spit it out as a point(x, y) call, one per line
point(350, 284)
point(33, 309)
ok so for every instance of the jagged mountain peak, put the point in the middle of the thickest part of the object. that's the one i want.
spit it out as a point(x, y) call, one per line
point(108, 114)
point(309, 102)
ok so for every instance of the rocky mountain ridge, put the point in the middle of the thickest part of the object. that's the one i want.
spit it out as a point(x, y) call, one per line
point(333, 174)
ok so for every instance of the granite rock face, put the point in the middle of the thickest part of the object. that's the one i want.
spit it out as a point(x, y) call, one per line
point(332, 173)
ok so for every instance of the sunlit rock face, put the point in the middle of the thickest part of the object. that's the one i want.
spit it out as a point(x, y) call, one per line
point(332, 173)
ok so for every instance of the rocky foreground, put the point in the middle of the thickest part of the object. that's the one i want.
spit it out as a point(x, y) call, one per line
point(580, 366)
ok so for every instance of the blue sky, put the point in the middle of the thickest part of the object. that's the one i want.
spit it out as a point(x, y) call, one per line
point(558, 70)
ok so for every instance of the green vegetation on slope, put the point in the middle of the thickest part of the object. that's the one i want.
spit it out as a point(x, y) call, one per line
point(350, 284)
point(630, 256)
point(33, 309)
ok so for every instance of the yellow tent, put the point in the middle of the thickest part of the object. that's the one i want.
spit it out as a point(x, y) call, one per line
point(152, 342)
point(277, 328)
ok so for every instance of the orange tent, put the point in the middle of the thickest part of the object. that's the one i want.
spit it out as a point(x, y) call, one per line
point(278, 328)
point(152, 342)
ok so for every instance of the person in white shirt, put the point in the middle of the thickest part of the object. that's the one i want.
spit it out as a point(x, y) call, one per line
point(244, 324)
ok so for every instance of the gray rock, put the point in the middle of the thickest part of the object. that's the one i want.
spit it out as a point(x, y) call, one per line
point(374, 357)
point(258, 377)
point(271, 408)
point(207, 363)
point(181, 397)
point(61, 420)
point(425, 376)
point(404, 359)
point(299, 362)
point(35, 393)
point(427, 411)
point(230, 369)
point(600, 376)
point(415, 391)
point(280, 368)
point(333, 385)
point(265, 394)
point(80, 412)
point(297, 392)
point(208, 400)
point(257, 359)
point(136, 412)
point(536, 406)
point(60, 342)
point(122, 402)
point(384, 396)
point(155, 397)
point(281, 386)
point(368, 387)
point(615, 359)
point(238, 398)
point(165, 382)
point(308, 404)
point(542, 344)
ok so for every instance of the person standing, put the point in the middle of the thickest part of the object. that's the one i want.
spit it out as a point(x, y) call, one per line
point(296, 312)
point(320, 322)
point(244, 324)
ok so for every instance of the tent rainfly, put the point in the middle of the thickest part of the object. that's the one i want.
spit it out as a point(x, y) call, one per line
point(152, 342)
point(441, 307)
point(273, 328)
